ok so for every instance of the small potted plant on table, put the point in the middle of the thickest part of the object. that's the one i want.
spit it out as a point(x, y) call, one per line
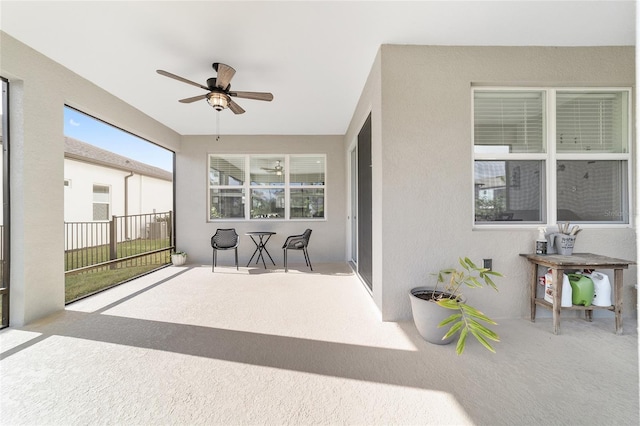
point(431, 307)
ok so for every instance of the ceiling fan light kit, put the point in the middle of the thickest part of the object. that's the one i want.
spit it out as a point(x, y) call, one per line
point(218, 101)
point(219, 96)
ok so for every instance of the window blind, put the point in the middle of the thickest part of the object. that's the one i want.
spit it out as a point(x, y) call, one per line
point(511, 119)
point(590, 121)
point(226, 170)
point(307, 170)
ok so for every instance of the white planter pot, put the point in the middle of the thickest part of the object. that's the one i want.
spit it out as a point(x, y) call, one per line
point(427, 315)
point(178, 259)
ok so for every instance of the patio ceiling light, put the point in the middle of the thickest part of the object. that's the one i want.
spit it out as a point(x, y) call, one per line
point(218, 100)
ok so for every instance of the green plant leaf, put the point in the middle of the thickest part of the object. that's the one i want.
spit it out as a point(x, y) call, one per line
point(448, 303)
point(484, 343)
point(488, 281)
point(470, 263)
point(473, 282)
point(489, 334)
point(473, 312)
point(453, 330)
point(450, 319)
point(462, 341)
point(465, 263)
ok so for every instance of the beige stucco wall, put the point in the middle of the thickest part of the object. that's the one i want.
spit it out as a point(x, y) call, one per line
point(423, 181)
point(39, 89)
point(193, 230)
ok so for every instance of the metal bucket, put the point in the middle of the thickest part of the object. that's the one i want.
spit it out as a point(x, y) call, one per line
point(564, 244)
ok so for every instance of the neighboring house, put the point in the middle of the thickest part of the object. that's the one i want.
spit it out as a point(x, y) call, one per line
point(99, 184)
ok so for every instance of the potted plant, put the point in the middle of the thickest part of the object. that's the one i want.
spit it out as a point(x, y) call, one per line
point(178, 258)
point(431, 307)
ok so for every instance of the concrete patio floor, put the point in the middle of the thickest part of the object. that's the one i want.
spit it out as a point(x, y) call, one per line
point(185, 346)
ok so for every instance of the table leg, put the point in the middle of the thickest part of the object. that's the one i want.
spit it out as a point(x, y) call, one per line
point(617, 294)
point(260, 255)
point(557, 276)
point(534, 287)
point(264, 246)
point(254, 252)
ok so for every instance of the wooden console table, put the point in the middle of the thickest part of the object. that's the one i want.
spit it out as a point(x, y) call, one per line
point(558, 264)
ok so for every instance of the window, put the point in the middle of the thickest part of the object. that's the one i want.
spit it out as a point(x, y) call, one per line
point(548, 155)
point(278, 186)
point(101, 202)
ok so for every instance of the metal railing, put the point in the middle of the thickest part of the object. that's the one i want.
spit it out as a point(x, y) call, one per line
point(90, 245)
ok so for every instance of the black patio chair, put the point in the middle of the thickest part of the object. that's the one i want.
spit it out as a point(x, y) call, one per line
point(224, 239)
point(298, 242)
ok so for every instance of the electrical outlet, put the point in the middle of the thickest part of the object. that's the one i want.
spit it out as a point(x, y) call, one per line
point(487, 263)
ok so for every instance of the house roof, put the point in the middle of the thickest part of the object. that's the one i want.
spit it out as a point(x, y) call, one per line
point(77, 150)
point(314, 56)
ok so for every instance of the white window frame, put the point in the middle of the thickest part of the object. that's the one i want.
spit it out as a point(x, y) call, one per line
point(94, 202)
point(550, 156)
point(247, 187)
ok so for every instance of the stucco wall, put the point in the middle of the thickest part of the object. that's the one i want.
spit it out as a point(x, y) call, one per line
point(426, 165)
point(39, 89)
point(193, 231)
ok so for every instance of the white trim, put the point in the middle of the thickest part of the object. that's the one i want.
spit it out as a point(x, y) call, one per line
point(550, 156)
point(247, 187)
point(94, 202)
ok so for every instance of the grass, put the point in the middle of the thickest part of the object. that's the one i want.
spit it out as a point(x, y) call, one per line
point(80, 258)
point(85, 283)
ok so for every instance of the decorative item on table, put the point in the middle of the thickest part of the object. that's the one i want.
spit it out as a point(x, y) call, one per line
point(541, 241)
point(565, 238)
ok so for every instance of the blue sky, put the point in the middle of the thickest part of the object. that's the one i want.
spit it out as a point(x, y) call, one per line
point(87, 129)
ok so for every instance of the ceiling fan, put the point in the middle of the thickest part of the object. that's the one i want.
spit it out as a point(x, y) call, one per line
point(219, 88)
point(278, 169)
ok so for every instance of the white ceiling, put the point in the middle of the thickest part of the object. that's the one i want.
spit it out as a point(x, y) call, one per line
point(314, 56)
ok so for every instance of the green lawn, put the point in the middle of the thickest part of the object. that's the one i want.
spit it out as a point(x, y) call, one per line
point(80, 258)
point(82, 284)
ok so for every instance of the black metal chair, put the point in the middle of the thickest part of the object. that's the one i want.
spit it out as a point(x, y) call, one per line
point(224, 239)
point(298, 242)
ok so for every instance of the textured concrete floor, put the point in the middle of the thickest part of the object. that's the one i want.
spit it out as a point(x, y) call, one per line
point(185, 346)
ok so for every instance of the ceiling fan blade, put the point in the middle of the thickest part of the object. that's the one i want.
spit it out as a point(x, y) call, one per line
point(237, 109)
point(193, 99)
point(225, 74)
point(184, 80)
point(259, 96)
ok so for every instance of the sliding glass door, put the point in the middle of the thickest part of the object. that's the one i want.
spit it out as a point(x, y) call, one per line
point(4, 212)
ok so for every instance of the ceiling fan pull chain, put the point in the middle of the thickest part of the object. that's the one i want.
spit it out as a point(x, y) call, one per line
point(217, 126)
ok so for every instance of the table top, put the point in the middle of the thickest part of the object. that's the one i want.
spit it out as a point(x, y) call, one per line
point(578, 259)
point(260, 233)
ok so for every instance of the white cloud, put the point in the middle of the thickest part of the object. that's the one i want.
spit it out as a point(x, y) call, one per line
point(73, 123)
